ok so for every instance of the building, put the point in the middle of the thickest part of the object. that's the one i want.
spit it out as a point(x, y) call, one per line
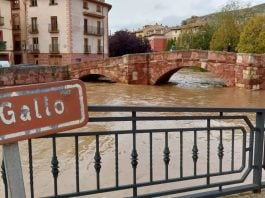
point(6, 40)
point(155, 35)
point(57, 32)
point(159, 35)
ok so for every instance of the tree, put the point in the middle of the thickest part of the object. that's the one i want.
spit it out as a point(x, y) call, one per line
point(228, 24)
point(124, 42)
point(196, 38)
point(235, 9)
point(252, 39)
point(170, 44)
point(184, 39)
point(226, 37)
point(201, 38)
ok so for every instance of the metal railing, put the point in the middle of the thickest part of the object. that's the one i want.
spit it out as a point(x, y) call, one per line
point(204, 152)
point(100, 49)
point(54, 48)
point(87, 48)
point(93, 30)
point(34, 48)
point(16, 27)
point(33, 29)
point(53, 28)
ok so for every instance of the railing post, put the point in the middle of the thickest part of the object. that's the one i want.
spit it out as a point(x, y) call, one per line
point(134, 155)
point(259, 135)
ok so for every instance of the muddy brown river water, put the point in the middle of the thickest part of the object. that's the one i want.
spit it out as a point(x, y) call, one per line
point(187, 88)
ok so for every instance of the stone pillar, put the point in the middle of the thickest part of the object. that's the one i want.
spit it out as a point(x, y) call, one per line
point(248, 69)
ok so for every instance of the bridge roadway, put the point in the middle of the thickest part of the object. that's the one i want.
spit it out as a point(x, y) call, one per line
point(240, 70)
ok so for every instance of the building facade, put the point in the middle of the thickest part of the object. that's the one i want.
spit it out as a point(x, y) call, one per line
point(58, 32)
point(159, 35)
point(6, 40)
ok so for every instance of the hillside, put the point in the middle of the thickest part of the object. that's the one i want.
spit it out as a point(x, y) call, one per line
point(254, 10)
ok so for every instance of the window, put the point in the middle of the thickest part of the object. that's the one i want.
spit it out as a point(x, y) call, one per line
point(54, 41)
point(98, 8)
point(17, 42)
point(53, 2)
point(85, 5)
point(98, 27)
point(86, 46)
point(100, 48)
point(34, 25)
point(33, 3)
point(54, 47)
point(16, 22)
point(35, 42)
point(1, 35)
point(54, 24)
point(85, 26)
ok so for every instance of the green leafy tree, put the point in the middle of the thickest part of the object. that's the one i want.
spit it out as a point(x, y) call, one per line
point(201, 38)
point(227, 25)
point(252, 39)
point(185, 39)
point(198, 38)
point(226, 37)
point(170, 44)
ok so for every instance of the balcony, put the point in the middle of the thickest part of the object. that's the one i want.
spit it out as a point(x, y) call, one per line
point(100, 50)
point(2, 21)
point(17, 46)
point(93, 30)
point(54, 49)
point(15, 6)
point(2, 45)
point(16, 27)
point(34, 48)
point(53, 28)
point(87, 49)
point(33, 29)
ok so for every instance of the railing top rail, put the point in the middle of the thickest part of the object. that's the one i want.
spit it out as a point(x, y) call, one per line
point(100, 108)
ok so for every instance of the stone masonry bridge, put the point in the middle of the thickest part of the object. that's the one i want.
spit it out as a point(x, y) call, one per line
point(240, 70)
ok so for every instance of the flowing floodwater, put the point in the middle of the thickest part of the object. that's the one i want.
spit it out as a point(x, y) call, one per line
point(186, 88)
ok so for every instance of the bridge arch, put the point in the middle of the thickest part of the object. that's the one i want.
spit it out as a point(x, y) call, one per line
point(96, 78)
point(222, 71)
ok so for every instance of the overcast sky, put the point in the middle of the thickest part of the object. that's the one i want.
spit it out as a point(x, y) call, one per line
point(133, 14)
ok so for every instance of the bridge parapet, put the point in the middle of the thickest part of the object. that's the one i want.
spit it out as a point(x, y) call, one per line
point(22, 75)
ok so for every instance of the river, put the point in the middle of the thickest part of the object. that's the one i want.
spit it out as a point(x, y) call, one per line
point(186, 88)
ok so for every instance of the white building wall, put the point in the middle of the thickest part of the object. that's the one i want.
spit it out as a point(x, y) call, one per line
point(43, 12)
point(77, 33)
point(78, 26)
point(5, 11)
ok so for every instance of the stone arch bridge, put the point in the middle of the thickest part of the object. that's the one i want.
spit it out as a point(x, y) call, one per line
point(240, 70)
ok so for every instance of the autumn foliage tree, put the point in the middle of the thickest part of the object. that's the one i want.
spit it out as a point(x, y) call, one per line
point(124, 42)
point(252, 39)
point(226, 37)
point(228, 24)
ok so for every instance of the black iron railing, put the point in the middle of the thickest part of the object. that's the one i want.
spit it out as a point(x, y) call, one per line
point(93, 30)
point(189, 152)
